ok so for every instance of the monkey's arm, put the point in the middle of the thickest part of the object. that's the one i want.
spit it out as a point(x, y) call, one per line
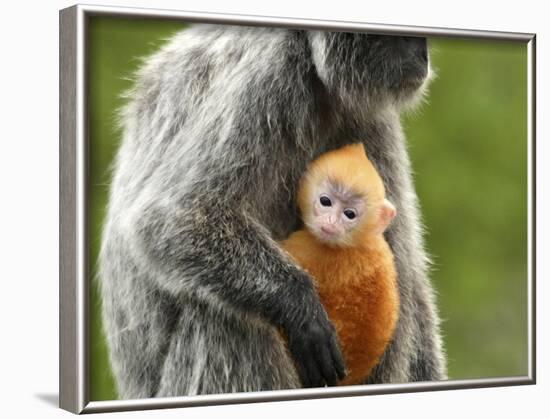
point(229, 256)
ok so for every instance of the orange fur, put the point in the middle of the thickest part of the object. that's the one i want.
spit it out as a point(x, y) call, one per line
point(356, 283)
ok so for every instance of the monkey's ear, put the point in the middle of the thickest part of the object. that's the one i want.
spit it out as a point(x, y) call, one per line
point(387, 214)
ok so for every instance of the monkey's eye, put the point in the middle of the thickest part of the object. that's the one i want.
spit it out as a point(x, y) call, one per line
point(351, 214)
point(325, 201)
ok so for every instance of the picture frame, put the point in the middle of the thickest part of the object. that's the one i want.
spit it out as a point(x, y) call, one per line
point(74, 231)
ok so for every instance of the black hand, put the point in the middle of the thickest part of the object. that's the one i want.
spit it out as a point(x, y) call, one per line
point(315, 350)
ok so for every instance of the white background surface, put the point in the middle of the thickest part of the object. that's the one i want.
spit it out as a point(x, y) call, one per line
point(29, 208)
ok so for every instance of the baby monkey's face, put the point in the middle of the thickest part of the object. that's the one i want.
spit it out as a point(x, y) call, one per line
point(336, 213)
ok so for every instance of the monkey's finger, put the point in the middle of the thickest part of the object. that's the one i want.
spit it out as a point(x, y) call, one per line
point(313, 371)
point(327, 366)
point(302, 372)
point(338, 360)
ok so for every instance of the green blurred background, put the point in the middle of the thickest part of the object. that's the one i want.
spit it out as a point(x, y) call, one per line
point(469, 152)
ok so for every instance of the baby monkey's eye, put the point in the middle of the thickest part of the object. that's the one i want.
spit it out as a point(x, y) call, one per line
point(325, 201)
point(351, 214)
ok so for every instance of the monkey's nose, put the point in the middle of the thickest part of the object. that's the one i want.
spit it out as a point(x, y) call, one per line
point(421, 48)
point(416, 46)
point(412, 46)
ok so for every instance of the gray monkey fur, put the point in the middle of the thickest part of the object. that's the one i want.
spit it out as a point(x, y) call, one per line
point(216, 133)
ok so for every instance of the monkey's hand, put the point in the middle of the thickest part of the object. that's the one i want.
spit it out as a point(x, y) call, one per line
point(245, 269)
point(315, 350)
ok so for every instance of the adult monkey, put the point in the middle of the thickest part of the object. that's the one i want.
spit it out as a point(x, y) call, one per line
point(218, 129)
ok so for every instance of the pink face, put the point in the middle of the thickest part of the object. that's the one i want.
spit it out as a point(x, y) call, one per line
point(337, 212)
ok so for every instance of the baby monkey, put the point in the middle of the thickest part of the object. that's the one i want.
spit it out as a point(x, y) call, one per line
point(342, 203)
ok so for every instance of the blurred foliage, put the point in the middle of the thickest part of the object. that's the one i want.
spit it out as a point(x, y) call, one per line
point(469, 153)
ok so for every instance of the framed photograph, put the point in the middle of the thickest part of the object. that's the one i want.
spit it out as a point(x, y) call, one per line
point(258, 208)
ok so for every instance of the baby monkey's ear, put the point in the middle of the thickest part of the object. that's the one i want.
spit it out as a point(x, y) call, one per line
point(387, 214)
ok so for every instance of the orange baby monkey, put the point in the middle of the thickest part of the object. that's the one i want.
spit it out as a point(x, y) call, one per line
point(342, 203)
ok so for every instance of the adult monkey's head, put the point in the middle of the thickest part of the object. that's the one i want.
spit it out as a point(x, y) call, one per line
point(365, 71)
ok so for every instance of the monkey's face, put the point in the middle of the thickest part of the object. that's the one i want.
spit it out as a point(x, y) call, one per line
point(404, 62)
point(335, 214)
point(366, 69)
point(343, 217)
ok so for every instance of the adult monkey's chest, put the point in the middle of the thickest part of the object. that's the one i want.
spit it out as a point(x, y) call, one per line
point(278, 210)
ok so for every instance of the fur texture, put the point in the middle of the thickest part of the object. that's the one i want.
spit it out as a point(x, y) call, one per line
point(217, 132)
point(356, 281)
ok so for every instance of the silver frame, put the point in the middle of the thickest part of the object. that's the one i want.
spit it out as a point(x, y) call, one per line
point(74, 283)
